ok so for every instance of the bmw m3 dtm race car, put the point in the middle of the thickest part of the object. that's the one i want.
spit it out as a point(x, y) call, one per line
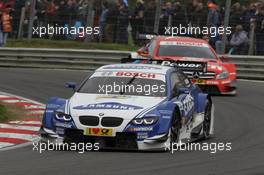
point(197, 59)
point(131, 106)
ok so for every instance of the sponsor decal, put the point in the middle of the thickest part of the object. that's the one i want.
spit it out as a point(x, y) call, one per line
point(165, 112)
point(140, 129)
point(166, 117)
point(199, 81)
point(49, 111)
point(133, 67)
point(182, 64)
point(226, 82)
point(218, 67)
point(136, 74)
point(212, 82)
point(188, 104)
point(109, 105)
point(142, 135)
point(99, 132)
point(186, 65)
point(179, 43)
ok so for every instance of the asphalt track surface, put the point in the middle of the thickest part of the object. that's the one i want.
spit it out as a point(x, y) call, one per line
point(239, 120)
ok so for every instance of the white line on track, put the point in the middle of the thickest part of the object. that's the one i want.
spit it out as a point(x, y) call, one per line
point(8, 126)
point(36, 112)
point(28, 137)
point(11, 101)
point(34, 107)
point(4, 144)
point(256, 81)
point(19, 97)
point(4, 96)
point(25, 122)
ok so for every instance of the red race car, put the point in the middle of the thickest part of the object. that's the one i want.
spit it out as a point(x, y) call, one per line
point(196, 58)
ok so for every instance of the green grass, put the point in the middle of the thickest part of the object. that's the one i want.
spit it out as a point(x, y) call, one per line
point(11, 112)
point(3, 113)
point(48, 43)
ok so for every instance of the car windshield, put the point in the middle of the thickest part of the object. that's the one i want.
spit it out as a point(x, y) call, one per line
point(185, 51)
point(124, 86)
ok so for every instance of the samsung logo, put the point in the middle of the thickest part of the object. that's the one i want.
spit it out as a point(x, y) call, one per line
point(116, 106)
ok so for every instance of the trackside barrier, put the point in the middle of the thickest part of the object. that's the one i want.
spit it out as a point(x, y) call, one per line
point(248, 67)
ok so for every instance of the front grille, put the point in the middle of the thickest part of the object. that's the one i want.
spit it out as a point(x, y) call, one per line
point(111, 121)
point(89, 120)
point(126, 140)
point(122, 140)
point(209, 89)
point(200, 75)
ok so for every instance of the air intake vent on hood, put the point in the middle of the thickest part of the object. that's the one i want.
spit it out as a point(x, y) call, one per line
point(111, 121)
point(89, 120)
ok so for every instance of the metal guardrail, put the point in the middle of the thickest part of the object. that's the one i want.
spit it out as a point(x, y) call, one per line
point(248, 67)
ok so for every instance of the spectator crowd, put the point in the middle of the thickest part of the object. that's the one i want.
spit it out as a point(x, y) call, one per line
point(116, 18)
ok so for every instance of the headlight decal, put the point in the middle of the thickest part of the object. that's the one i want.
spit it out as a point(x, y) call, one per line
point(63, 117)
point(145, 121)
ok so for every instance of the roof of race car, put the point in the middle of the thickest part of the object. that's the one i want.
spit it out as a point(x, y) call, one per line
point(135, 68)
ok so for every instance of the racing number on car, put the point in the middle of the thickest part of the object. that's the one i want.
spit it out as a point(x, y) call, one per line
point(188, 104)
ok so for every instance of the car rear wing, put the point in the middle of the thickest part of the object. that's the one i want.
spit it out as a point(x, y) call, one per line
point(146, 36)
point(134, 56)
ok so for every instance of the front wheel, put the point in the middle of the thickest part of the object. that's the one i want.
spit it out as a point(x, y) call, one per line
point(175, 129)
point(207, 120)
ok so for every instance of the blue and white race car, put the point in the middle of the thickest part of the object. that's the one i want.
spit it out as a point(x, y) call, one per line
point(131, 106)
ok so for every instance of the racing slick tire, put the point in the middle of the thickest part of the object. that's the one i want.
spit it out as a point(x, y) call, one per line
point(207, 119)
point(174, 133)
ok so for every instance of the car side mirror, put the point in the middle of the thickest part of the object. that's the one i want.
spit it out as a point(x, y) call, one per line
point(71, 85)
point(224, 58)
point(143, 53)
point(183, 91)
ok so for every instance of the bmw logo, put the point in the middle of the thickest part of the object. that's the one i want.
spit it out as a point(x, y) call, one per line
point(101, 114)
